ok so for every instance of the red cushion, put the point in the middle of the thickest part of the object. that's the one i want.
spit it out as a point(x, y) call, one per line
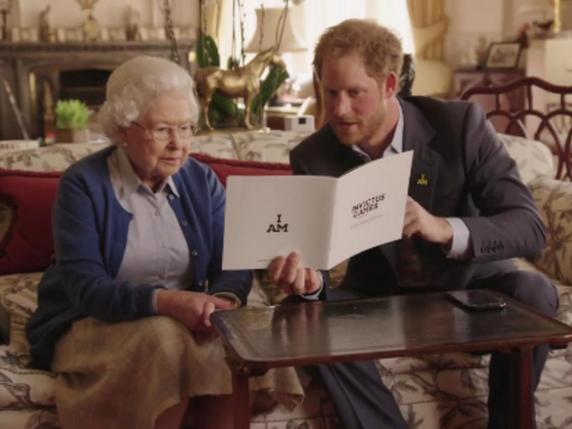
point(227, 167)
point(28, 244)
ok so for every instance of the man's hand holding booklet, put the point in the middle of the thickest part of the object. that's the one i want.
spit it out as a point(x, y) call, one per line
point(325, 219)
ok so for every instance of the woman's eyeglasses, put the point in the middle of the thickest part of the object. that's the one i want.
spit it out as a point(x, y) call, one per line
point(164, 133)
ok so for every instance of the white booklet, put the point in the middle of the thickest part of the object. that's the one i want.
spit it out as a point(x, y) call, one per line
point(326, 219)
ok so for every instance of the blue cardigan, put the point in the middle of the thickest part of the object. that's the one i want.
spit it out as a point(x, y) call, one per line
point(90, 236)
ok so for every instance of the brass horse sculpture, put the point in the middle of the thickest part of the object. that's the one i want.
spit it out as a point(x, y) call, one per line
point(242, 82)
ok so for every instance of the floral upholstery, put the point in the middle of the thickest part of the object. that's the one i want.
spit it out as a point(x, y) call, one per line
point(26, 394)
point(217, 145)
point(269, 146)
point(433, 392)
point(534, 159)
point(56, 157)
point(554, 199)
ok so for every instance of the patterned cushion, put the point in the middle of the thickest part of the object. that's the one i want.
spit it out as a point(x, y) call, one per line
point(56, 157)
point(21, 387)
point(218, 145)
point(267, 146)
point(553, 198)
point(532, 157)
point(30, 419)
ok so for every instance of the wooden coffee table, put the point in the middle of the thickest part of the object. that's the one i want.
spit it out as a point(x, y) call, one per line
point(260, 338)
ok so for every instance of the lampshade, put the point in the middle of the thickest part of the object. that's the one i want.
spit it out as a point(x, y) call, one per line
point(268, 26)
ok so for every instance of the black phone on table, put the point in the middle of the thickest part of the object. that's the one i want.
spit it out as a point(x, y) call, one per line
point(477, 300)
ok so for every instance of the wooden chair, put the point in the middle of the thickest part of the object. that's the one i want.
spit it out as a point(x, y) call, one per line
point(532, 108)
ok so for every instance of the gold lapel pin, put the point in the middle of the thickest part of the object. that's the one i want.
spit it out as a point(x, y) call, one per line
point(422, 181)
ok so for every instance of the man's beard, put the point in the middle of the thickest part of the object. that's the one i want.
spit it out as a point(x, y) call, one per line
point(361, 129)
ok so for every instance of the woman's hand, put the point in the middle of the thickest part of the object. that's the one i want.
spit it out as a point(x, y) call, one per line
point(193, 309)
point(292, 277)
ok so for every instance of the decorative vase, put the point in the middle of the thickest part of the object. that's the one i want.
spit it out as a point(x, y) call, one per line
point(72, 136)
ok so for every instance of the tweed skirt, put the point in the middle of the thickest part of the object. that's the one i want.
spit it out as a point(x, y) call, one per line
point(124, 375)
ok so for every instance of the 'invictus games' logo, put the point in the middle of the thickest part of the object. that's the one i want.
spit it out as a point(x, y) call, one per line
point(366, 206)
point(423, 181)
point(278, 226)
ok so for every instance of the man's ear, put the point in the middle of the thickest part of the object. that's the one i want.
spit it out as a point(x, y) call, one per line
point(391, 84)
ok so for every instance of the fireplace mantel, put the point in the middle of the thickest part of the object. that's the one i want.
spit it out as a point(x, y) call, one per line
point(69, 47)
point(30, 68)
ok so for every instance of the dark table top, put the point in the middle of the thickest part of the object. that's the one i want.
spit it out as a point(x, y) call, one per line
point(405, 325)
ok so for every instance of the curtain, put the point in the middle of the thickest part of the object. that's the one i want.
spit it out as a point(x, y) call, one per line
point(216, 21)
point(424, 14)
point(211, 17)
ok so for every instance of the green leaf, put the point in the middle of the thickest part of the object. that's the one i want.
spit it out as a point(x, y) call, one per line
point(72, 114)
point(207, 52)
point(268, 88)
point(224, 104)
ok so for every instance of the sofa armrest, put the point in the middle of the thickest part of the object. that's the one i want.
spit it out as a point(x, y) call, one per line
point(553, 199)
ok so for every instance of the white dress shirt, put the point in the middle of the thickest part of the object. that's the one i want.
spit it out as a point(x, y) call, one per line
point(156, 251)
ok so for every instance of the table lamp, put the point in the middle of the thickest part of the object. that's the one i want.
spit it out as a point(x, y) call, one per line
point(268, 21)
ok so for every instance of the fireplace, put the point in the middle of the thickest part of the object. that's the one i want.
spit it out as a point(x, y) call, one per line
point(42, 73)
point(87, 85)
point(84, 84)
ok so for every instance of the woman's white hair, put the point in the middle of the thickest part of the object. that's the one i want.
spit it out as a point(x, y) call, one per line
point(134, 84)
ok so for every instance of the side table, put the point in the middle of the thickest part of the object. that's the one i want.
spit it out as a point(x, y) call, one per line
point(258, 339)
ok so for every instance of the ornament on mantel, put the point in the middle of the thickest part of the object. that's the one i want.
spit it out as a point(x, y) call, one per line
point(242, 82)
point(132, 23)
point(5, 7)
point(90, 29)
point(87, 4)
point(46, 32)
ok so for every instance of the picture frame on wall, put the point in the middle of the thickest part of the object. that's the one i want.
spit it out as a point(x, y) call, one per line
point(503, 55)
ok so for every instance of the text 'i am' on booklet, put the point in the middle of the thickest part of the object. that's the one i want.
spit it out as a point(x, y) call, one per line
point(326, 219)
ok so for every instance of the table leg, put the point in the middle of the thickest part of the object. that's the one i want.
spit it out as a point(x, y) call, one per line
point(523, 396)
point(241, 398)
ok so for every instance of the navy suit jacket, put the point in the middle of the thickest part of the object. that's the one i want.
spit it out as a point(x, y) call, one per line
point(460, 169)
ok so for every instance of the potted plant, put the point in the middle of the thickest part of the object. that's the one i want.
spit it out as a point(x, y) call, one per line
point(72, 117)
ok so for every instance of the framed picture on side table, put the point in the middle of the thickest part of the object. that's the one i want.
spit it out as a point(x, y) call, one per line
point(503, 55)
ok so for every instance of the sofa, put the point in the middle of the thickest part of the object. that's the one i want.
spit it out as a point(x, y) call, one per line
point(436, 391)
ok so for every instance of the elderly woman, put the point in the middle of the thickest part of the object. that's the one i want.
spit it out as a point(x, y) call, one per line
point(123, 314)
